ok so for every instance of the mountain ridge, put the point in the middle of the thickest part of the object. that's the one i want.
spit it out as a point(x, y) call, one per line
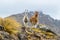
point(52, 24)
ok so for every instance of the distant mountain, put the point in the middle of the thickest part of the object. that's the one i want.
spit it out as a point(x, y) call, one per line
point(51, 23)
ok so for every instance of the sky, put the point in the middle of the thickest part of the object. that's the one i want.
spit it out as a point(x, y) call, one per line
point(50, 7)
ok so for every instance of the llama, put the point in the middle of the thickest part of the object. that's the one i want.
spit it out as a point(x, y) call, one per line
point(34, 19)
point(25, 18)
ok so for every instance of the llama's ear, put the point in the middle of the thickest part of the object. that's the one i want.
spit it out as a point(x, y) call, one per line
point(26, 12)
point(36, 13)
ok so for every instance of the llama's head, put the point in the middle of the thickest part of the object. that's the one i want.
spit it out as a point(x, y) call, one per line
point(36, 13)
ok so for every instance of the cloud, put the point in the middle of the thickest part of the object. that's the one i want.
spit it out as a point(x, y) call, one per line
point(50, 7)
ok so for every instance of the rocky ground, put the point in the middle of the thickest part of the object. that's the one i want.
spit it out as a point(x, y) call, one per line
point(27, 33)
point(12, 30)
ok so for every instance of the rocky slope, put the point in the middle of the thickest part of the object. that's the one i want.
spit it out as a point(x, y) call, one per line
point(29, 34)
point(12, 30)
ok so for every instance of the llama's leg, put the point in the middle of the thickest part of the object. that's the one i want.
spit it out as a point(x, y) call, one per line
point(37, 25)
